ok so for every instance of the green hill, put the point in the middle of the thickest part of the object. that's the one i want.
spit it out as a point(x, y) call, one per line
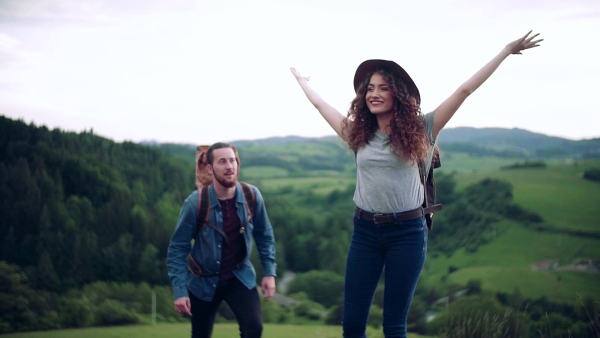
point(77, 208)
point(508, 263)
point(81, 212)
point(515, 142)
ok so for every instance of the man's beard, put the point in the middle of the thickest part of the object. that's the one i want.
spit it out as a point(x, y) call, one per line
point(225, 183)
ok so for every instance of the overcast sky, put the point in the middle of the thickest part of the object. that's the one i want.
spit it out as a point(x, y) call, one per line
point(188, 71)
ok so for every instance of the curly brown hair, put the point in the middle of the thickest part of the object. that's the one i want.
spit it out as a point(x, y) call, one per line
point(407, 128)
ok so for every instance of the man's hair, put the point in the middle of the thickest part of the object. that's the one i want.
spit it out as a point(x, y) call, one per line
point(219, 145)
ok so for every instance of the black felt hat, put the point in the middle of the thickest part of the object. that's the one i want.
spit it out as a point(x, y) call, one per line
point(370, 66)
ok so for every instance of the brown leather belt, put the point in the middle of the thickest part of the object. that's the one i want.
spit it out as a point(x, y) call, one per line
point(379, 218)
point(197, 271)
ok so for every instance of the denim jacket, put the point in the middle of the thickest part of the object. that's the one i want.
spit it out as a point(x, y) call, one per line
point(206, 249)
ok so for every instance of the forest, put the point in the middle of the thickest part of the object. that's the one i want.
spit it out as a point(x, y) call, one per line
point(86, 223)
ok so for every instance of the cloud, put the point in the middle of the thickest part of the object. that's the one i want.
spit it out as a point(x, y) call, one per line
point(9, 52)
point(92, 12)
point(157, 69)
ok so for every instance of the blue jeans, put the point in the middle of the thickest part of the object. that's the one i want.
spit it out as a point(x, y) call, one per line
point(400, 249)
point(244, 303)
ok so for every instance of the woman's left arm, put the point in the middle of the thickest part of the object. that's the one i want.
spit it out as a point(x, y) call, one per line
point(446, 110)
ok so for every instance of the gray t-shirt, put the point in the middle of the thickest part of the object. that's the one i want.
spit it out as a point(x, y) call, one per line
point(386, 183)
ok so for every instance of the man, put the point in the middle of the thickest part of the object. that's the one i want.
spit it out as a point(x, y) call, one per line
point(217, 267)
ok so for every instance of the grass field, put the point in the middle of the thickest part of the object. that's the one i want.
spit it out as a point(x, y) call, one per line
point(162, 330)
point(318, 185)
point(558, 193)
point(505, 264)
point(258, 172)
point(464, 163)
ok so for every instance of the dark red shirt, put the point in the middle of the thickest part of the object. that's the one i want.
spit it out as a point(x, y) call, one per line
point(233, 250)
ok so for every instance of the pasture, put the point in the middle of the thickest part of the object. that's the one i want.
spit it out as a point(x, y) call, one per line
point(564, 199)
point(558, 193)
point(222, 330)
point(505, 264)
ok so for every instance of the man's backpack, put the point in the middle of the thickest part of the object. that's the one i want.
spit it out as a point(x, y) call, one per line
point(428, 181)
point(203, 180)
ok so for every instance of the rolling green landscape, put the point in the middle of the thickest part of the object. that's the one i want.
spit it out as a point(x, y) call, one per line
point(514, 253)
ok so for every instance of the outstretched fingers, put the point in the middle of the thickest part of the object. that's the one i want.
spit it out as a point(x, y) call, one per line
point(525, 42)
point(297, 74)
point(530, 43)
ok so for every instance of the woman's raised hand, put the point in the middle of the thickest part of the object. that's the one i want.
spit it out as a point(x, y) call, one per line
point(299, 76)
point(525, 42)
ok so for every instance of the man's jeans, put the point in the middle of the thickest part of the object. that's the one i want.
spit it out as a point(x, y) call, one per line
point(244, 303)
point(400, 248)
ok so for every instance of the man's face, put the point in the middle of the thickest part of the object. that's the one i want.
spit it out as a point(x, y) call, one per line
point(224, 167)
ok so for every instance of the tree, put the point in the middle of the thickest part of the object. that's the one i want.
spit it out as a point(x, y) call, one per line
point(150, 266)
point(592, 174)
point(22, 308)
point(324, 287)
point(473, 286)
point(117, 260)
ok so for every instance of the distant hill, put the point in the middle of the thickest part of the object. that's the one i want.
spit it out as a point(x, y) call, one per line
point(517, 141)
point(514, 136)
point(279, 140)
point(496, 140)
point(299, 155)
point(502, 142)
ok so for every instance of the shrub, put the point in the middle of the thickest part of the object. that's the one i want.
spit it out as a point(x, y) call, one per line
point(592, 174)
point(76, 312)
point(112, 312)
point(334, 317)
point(375, 317)
point(324, 287)
point(270, 312)
point(526, 164)
point(553, 324)
point(477, 317)
point(473, 286)
point(309, 309)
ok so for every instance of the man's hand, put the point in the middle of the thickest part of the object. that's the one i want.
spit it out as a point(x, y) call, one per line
point(183, 306)
point(268, 287)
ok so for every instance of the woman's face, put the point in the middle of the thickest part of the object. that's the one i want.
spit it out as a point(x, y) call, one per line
point(379, 95)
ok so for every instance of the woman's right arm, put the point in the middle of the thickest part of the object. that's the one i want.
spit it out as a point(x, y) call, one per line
point(330, 114)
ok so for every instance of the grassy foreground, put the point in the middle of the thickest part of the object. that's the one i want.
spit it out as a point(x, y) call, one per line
point(222, 330)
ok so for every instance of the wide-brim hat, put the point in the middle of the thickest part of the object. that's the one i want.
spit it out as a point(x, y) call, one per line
point(370, 66)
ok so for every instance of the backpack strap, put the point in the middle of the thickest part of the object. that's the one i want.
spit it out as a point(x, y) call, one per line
point(204, 207)
point(202, 222)
point(204, 213)
point(429, 187)
point(249, 199)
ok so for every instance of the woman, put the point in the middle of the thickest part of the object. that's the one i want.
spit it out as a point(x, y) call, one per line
point(386, 129)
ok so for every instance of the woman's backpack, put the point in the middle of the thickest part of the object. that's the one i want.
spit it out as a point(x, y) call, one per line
point(429, 205)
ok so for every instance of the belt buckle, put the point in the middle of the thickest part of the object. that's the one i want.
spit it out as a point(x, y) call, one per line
point(376, 216)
